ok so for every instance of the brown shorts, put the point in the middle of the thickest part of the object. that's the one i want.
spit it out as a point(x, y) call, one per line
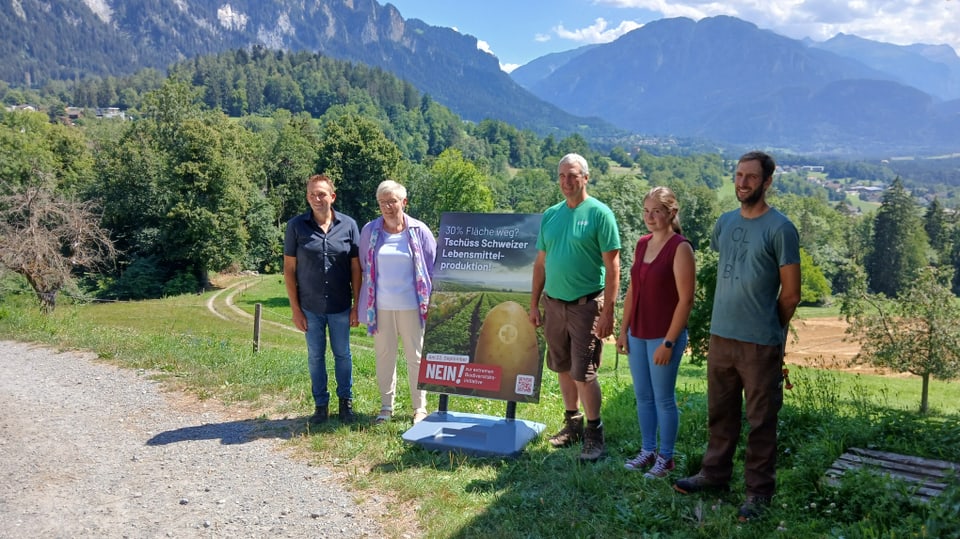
point(568, 328)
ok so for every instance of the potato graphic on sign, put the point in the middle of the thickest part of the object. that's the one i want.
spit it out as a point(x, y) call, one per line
point(509, 340)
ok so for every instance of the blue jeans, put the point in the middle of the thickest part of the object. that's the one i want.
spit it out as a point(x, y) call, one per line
point(339, 325)
point(655, 389)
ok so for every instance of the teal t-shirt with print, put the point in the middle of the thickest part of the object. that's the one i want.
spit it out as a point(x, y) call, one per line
point(574, 240)
point(752, 251)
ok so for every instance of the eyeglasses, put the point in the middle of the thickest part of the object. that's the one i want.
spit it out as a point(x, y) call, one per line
point(389, 203)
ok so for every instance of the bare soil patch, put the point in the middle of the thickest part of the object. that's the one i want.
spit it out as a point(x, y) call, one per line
point(823, 343)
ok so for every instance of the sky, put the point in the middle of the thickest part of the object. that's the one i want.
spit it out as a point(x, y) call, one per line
point(518, 31)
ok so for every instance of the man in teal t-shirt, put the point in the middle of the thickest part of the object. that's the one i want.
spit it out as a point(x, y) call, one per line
point(758, 290)
point(577, 275)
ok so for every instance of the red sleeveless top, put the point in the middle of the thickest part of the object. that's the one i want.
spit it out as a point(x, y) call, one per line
point(654, 289)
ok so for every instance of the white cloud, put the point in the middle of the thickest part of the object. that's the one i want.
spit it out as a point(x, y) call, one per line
point(508, 67)
point(900, 22)
point(484, 46)
point(597, 32)
point(541, 38)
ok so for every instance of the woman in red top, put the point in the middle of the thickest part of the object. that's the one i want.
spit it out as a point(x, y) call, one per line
point(654, 329)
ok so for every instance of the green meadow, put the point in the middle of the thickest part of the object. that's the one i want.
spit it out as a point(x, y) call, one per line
point(204, 345)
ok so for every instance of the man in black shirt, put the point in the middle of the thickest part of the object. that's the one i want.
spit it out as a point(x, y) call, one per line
point(321, 270)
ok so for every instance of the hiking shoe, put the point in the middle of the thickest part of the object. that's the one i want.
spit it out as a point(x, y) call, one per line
point(661, 468)
point(419, 416)
point(753, 507)
point(593, 447)
point(319, 415)
point(385, 415)
point(644, 459)
point(346, 414)
point(571, 433)
point(696, 483)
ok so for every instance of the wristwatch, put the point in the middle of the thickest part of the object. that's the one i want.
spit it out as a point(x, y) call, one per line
point(667, 344)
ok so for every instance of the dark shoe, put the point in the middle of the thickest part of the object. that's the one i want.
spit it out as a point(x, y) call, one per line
point(319, 415)
point(753, 507)
point(571, 433)
point(696, 483)
point(593, 446)
point(346, 411)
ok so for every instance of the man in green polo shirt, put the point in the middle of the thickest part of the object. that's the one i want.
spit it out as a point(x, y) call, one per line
point(577, 276)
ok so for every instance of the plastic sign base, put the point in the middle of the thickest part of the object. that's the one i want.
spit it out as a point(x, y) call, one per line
point(474, 434)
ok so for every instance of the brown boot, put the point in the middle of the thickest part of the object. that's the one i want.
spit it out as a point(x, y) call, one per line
point(593, 446)
point(571, 433)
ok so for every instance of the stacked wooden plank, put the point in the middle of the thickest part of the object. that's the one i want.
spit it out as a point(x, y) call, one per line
point(926, 477)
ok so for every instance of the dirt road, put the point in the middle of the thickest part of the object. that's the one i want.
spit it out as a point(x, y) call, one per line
point(92, 450)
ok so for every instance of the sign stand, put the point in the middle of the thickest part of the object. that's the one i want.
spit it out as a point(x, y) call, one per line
point(478, 341)
point(474, 434)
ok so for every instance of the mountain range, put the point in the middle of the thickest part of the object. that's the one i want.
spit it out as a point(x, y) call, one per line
point(720, 78)
point(724, 79)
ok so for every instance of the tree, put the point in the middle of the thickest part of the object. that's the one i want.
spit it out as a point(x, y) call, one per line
point(935, 225)
point(899, 242)
point(917, 333)
point(453, 184)
point(532, 190)
point(699, 322)
point(354, 152)
point(47, 238)
point(179, 186)
point(814, 288)
point(289, 162)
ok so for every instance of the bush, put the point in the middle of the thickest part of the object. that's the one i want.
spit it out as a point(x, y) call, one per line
point(143, 279)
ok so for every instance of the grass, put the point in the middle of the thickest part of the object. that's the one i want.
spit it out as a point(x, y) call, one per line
point(544, 492)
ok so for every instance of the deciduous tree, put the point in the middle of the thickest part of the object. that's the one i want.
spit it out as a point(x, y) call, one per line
point(354, 152)
point(46, 238)
point(453, 184)
point(916, 333)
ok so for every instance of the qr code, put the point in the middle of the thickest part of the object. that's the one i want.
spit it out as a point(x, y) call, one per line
point(524, 385)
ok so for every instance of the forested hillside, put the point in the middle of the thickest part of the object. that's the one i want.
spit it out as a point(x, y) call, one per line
point(211, 162)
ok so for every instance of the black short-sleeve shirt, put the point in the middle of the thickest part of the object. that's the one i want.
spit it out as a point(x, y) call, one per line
point(323, 261)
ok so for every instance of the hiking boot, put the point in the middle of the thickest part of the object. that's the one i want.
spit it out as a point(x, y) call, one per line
point(696, 483)
point(346, 411)
point(753, 507)
point(661, 468)
point(593, 447)
point(319, 415)
point(643, 460)
point(571, 433)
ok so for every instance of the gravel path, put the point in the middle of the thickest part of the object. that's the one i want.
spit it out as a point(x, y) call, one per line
point(92, 450)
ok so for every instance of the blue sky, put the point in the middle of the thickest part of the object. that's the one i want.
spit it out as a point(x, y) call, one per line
point(518, 31)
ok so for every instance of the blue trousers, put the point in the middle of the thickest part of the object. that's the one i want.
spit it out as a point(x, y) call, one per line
point(338, 325)
point(655, 389)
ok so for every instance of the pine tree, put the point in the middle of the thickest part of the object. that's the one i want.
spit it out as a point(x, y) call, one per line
point(899, 242)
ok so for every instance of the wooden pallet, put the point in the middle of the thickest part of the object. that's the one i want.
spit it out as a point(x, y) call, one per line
point(928, 476)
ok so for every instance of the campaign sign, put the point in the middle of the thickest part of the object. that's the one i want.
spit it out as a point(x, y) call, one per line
point(479, 341)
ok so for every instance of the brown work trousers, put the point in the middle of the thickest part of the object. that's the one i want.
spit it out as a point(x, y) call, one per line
point(737, 369)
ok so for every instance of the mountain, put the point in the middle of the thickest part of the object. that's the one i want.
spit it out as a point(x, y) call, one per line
point(724, 79)
point(720, 78)
point(542, 67)
point(67, 39)
point(935, 69)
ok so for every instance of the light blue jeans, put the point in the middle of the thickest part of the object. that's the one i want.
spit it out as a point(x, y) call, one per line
point(655, 389)
point(339, 326)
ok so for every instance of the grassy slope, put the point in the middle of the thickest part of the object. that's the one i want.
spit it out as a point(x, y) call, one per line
point(544, 492)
